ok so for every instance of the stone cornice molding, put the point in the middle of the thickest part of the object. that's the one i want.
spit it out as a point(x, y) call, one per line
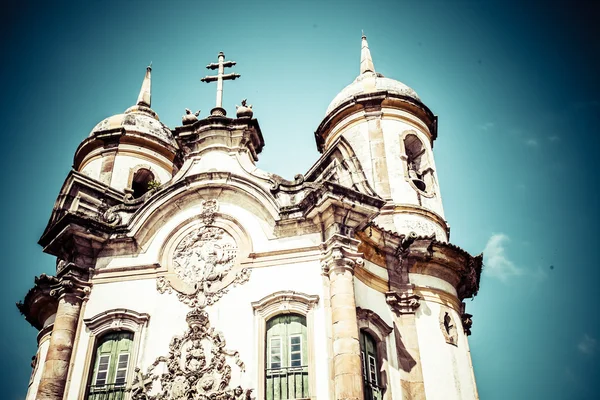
point(115, 320)
point(284, 302)
point(445, 261)
point(223, 133)
point(403, 302)
point(366, 103)
point(371, 320)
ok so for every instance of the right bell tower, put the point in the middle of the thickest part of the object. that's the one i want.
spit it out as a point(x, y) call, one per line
point(411, 283)
point(391, 132)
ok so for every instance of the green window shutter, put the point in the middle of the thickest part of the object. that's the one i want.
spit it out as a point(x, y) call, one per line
point(111, 365)
point(370, 366)
point(286, 358)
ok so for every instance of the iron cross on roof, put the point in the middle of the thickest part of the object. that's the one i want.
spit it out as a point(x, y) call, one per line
point(220, 77)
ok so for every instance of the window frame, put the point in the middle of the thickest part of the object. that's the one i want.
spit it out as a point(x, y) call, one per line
point(278, 338)
point(128, 354)
point(272, 305)
point(113, 320)
point(291, 352)
point(106, 371)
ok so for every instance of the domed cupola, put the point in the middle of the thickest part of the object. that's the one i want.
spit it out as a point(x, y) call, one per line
point(391, 133)
point(132, 151)
point(370, 81)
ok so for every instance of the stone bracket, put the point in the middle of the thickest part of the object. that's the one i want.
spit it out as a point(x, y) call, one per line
point(405, 302)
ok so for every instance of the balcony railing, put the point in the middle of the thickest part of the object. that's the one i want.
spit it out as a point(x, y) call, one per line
point(106, 392)
point(287, 383)
point(373, 391)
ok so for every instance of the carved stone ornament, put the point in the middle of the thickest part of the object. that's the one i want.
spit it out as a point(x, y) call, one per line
point(196, 367)
point(204, 262)
point(448, 327)
point(189, 117)
point(403, 303)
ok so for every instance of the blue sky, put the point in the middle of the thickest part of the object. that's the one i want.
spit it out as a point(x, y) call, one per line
point(515, 87)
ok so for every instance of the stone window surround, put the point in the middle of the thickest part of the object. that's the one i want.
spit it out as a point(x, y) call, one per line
point(134, 170)
point(285, 302)
point(379, 330)
point(404, 157)
point(114, 320)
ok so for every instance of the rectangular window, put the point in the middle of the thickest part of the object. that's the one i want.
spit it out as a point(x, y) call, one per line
point(296, 351)
point(121, 374)
point(102, 374)
point(372, 370)
point(275, 356)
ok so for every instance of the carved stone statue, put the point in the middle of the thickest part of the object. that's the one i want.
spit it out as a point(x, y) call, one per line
point(244, 111)
point(189, 117)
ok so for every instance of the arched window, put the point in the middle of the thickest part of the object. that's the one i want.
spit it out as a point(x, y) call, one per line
point(111, 364)
point(114, 341)
point(287, 357)
point(370, 367)
point(418, 167)
point(141, 182)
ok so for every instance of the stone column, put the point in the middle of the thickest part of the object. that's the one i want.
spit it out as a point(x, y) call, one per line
point(339, 259)
point(70, 292)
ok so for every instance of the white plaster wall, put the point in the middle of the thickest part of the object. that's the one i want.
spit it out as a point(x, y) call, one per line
point(232, 314)
point(446, 368)
point(92, 169)
point(123, 165)
point(428, 281)
point(37, 373)
point(402, 191)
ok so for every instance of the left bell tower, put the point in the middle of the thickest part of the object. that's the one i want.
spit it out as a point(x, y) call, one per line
point(130, 152)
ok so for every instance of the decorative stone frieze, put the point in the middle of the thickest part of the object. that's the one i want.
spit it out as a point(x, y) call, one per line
point(196, 367)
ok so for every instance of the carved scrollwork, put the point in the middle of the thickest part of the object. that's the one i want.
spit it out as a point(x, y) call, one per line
point(203, 263)
point(197, 367)
point(198, 364)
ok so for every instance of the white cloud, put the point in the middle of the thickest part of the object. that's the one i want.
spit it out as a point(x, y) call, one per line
point(497, 263)
point(587, 345)
point(531, 143)
point(554, 138)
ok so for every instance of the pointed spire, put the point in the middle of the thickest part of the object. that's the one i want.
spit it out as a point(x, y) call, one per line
point(144, 99)
point(366, 62)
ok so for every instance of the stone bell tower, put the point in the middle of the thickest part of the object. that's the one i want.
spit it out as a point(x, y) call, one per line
point(391, 132)
point(383, 136)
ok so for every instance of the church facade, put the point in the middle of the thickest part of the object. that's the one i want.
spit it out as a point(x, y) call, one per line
point(185, 272)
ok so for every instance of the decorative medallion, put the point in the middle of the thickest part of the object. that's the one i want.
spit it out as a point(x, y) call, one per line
point(197, 366)
point(203, 262)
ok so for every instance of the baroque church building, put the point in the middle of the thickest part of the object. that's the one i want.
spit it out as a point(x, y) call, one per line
point(185, 272)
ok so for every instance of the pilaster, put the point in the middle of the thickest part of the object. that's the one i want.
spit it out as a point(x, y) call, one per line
point(404, 304)
point(339, 257)
point(72, 288)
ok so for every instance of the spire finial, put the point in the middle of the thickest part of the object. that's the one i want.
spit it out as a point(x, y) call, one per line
point(144, 99)
point(366, 62)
